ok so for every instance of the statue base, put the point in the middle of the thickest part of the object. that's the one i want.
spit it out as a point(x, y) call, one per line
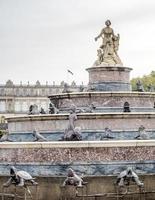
point(109, 78)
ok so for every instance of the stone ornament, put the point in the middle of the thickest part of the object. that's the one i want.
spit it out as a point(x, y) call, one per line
point(38, 137)
point(142, 133)
point(140, 87)
point(53, 109)
point(107, 53)
point(127, 176)
point(19, 178)
point(33, 109)
point(66, 88)
point(72, 118)
point(73, 179)
point(99, 57)
point(81, 88)
point(107, 134)
point(150, 88)
point(90, 109)
point(5, 137)
point(126, 107)
point(72, 133)
point(42, 111)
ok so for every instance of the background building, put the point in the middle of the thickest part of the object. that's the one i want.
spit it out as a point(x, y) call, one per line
point(16, 99)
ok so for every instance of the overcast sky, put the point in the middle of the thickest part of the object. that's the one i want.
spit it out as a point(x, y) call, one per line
point(41, 39)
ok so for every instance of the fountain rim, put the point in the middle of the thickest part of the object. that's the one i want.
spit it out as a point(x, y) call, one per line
point(103, 93)
point(109, 68)
point(81, 116)
point(78, 144)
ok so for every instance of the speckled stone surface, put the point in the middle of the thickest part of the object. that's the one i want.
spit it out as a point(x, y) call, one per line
point(91, 158)
point(112, 86)
point(63, 155)
point(109, 78)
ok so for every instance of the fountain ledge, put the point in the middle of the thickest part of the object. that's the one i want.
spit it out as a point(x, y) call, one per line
point(78, 144)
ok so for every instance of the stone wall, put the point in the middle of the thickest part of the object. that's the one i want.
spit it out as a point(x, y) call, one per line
point(89, 158)
point(109, 78)
point(87, 121)
point(99, 162)
point(105, 99)
point(109, 74)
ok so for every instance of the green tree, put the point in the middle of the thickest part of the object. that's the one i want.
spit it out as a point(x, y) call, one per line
point(148, 82)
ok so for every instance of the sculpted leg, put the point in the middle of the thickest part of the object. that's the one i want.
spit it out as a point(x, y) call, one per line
point(8, 183)
point(33, 182)
point(21, 182)
point(121, 182)
point(138, 182)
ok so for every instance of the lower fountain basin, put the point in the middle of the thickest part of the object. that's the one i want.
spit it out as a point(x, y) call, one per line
point(87, 121)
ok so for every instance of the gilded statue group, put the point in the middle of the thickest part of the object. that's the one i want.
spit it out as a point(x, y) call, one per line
point(107, 53)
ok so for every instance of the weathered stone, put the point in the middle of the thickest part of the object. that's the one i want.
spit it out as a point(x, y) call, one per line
point(87, 121)
point(109, 78)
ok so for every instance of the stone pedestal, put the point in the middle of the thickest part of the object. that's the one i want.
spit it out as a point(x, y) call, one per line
point(109, 78)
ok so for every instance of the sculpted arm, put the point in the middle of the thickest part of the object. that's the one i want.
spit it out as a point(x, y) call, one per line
point(112, 33)
point(65, 181)
point(78, 179)
point(101, 33)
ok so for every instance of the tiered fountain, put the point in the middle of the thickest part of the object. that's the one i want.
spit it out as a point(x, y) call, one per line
point(99, 156)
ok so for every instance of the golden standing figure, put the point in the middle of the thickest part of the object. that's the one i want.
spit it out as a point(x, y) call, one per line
point(109, 47)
